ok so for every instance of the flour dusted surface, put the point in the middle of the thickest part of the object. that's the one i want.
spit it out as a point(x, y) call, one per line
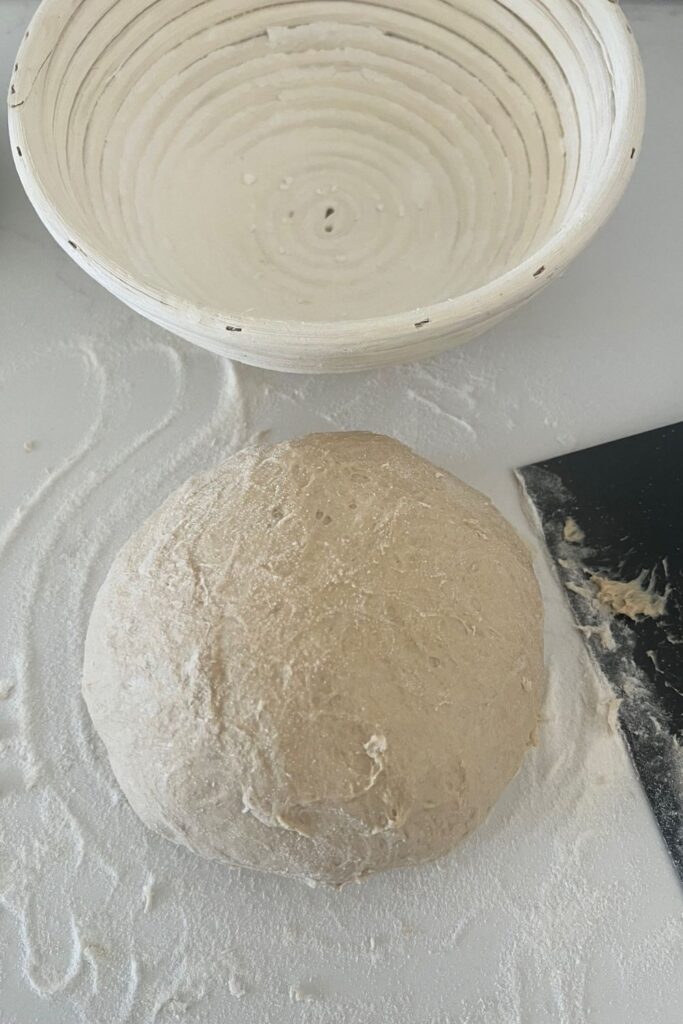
point(520, 923)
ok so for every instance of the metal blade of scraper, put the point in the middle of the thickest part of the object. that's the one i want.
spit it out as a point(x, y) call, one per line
point(612, 519)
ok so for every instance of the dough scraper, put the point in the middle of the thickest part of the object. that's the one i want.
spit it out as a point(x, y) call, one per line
point(612, 520)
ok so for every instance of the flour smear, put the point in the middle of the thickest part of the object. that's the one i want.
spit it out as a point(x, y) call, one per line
point(101, 922)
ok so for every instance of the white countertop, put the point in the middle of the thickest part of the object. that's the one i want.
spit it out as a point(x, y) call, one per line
point(119, 413)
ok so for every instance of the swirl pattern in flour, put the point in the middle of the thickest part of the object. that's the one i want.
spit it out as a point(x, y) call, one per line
point(106, 922)
point(52, 549)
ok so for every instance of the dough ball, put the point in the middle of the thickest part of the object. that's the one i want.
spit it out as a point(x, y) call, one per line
point(322, 659)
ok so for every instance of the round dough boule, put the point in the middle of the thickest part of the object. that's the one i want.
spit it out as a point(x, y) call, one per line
point(323, 658)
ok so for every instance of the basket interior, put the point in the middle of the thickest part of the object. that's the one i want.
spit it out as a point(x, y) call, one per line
point(317, 160)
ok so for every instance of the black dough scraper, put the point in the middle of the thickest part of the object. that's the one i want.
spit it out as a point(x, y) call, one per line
point(612, 519)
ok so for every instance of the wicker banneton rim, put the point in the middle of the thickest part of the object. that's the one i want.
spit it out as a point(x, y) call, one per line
point(317, 185)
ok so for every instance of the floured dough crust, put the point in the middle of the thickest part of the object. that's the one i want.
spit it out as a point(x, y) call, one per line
point(323, 659)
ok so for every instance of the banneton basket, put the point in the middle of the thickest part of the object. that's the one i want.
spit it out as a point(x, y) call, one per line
point(326, 185)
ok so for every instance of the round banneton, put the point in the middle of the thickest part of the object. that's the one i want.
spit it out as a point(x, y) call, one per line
point(320, 184)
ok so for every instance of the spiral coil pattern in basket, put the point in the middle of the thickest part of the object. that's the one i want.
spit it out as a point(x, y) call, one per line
point(326, 184)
